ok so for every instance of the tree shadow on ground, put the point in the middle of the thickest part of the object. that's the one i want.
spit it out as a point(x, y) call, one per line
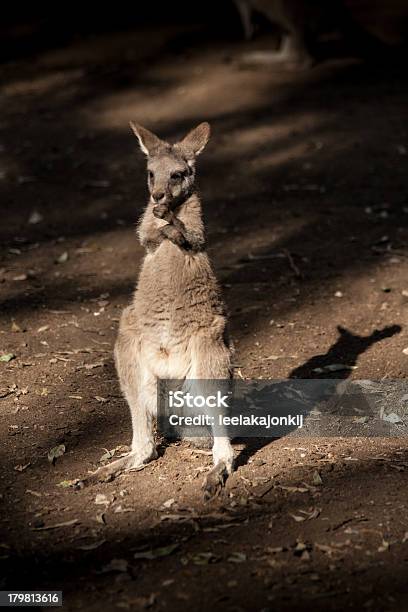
point(260, 202)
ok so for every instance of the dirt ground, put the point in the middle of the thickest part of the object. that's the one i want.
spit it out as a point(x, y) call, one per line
point(304, 188)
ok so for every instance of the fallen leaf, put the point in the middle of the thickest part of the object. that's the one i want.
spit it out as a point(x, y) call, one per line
point(203, 558)
point(237, 557)
point(169, 503)
point(22, 468)
point(175, 517)
point(65, 484)
point(101, 500)
point(92, 366)
point(308, 515)
point(63, 258)
point(15, 328)
point(92, 546)
point(157, 553)
point(56, 452)
point(392, 418)
point(294, 489)
point(6, 357)
point(300, 548)
point(396, 466)
point(34, 493)
point(297, 518)
point(43, 328)
point(20, 277)
point(108, 455)
point(121, 509)
point(100, 518)
point(311, 514)
point(57, 525)
point(384, 546)
point(317, 479)
point(362, 419)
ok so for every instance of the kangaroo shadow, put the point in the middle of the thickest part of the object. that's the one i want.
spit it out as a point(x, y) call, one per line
point(345, 351)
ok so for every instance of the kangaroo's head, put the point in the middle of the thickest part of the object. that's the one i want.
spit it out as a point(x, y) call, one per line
point(171, 168)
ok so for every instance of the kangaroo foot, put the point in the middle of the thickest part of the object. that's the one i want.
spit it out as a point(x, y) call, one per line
point(215, 481)
point(132, 461)
point(277, 59)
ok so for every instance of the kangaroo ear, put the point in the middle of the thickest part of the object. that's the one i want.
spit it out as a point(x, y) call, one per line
point(149, 142)
point(195, 141)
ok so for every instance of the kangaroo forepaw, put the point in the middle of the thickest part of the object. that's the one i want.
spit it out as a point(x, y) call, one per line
point(215, 481)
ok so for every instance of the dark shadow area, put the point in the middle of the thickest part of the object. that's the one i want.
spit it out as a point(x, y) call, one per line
point(181, 541)
point(344, 352)
point(40, 29)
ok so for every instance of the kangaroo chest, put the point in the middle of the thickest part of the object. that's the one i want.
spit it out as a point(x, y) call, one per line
point(176, 295)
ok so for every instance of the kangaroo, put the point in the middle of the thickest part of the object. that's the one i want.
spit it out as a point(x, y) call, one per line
point(292, 17)
point(175, 327)
point(301, 23)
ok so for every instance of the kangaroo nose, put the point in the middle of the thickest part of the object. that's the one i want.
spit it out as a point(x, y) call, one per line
point(158, 196)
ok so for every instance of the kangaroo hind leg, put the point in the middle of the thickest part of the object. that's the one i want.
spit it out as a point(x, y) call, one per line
point(138, 385)
point(210, 362)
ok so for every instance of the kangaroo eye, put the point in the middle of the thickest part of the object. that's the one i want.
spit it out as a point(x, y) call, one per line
point(150, 175)
point(176, 176)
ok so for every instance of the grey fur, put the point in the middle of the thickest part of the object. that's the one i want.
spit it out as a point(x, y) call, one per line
point(175, 326)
